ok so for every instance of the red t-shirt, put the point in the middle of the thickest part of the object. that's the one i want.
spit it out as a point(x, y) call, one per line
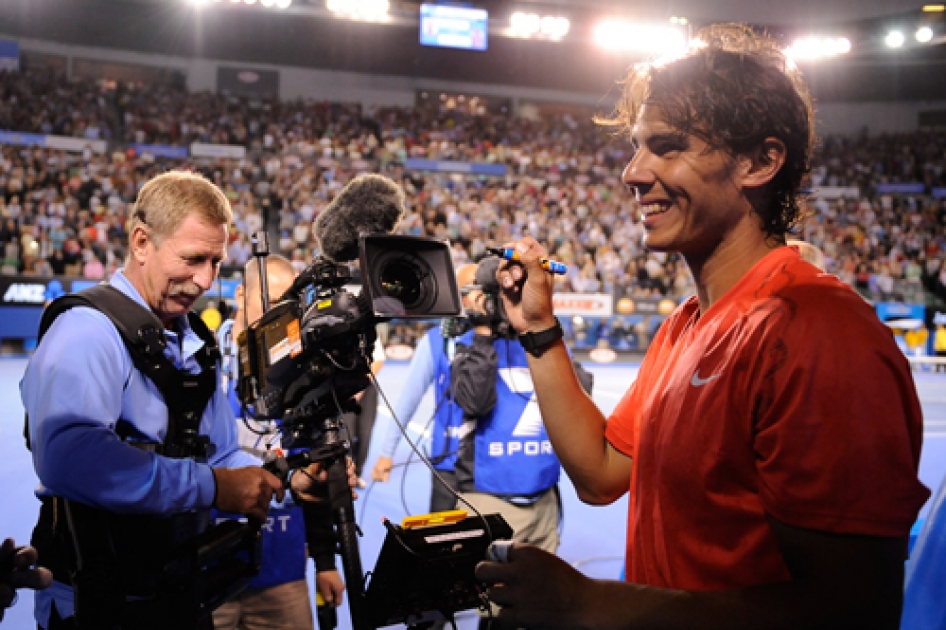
point(788, 397)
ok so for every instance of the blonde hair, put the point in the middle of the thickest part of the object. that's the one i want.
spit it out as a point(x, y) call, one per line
point(166, 200)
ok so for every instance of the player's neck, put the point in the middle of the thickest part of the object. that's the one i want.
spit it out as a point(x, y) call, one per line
point(716, 274)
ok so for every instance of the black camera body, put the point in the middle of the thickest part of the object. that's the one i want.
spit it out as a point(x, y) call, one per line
point(310, 352)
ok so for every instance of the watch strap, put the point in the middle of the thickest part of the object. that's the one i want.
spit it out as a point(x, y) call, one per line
point(536, 343)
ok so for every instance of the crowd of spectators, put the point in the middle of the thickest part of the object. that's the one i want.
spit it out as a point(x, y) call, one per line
point(65, 213)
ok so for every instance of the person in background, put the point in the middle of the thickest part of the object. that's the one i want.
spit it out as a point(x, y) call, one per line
point(430, 365)
point(923, 603)
point(808, 252)
point(771, 462)
point(939, 344)
point(279, 596)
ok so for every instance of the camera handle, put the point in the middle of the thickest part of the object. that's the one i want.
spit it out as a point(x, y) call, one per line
point(334, 457)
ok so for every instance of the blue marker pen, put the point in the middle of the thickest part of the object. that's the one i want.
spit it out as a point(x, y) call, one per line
point(551, 266)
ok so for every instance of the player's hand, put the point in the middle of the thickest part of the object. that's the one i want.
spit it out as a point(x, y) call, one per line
point(246, 491)
point(382, 469)
point(330, 586)
point(536, 589)
point(18, 570)
point(527, 288)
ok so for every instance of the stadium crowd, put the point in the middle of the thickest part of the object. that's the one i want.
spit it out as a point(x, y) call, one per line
point(65, 213)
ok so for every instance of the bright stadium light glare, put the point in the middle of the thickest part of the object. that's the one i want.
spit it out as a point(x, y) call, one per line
point(809, 48)
point(283, 4)
point(895, 39)
point(528, 25)
point(555, 27)
point(525, 24)
point(250, 1)
point(652, 39)
point(268, 3)
point(924, 34)
point(367, 10)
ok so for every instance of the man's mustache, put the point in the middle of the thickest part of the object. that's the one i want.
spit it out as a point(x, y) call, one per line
point(187, 290)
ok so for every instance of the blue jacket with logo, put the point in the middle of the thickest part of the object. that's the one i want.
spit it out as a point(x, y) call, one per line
point(509, 454)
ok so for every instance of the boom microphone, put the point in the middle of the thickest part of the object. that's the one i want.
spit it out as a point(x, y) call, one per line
point(368, 204)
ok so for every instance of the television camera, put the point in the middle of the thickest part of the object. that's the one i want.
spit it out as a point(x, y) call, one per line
point(309, 354)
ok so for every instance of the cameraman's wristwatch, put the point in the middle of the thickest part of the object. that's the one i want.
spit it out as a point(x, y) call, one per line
point(536, 343)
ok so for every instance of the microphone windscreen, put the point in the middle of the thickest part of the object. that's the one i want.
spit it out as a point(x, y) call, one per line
point(368, 204)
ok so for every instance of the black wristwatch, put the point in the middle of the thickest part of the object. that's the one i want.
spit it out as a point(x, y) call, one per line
point(536, 343)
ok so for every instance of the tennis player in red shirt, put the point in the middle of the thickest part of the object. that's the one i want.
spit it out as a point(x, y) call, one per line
point(771, 441)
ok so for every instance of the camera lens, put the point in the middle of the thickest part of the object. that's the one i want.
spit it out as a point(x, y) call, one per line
point(402, 279)
point(407, 279)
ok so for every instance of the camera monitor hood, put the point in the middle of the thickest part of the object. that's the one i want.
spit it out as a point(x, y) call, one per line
point(409, 277)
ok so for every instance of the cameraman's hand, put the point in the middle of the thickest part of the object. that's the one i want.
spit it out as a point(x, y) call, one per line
point(18, 572)
point(307, 483)
point(527, 288)
point(536, 589)
point(382, 469)
point(247, 491)
point(330, 586)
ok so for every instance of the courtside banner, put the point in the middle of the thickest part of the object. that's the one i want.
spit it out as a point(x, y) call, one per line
point(229, 151)
point(33, 291)
point(75, 145)
point(584, 304)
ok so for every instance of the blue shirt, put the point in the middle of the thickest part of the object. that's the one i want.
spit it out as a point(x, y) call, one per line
point(923, 603)
point(430, 365)
point(77, 385)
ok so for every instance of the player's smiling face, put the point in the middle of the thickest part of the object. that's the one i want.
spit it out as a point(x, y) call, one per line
point(688, 194)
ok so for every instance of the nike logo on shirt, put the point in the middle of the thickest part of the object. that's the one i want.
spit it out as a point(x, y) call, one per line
point(696, 381)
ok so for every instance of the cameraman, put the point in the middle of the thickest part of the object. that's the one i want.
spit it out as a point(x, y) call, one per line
point(17, 571)
point(127, 471)
point(278, 597)
point(505, 464)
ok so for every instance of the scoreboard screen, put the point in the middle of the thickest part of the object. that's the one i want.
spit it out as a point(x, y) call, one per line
point(453, 27)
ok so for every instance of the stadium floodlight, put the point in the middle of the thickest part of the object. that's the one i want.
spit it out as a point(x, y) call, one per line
point(934, 8)
point(367, 10)
point(283, 4)
point(810, 48)
point(532, 25)
point(555, 27)
point(924, 34)
point(895, 39)
point(524, 24)
point(652, 39)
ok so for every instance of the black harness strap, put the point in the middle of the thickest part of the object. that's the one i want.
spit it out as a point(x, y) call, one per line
point(186, 395)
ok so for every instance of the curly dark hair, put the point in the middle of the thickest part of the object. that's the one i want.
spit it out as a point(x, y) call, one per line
point(733, 90)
